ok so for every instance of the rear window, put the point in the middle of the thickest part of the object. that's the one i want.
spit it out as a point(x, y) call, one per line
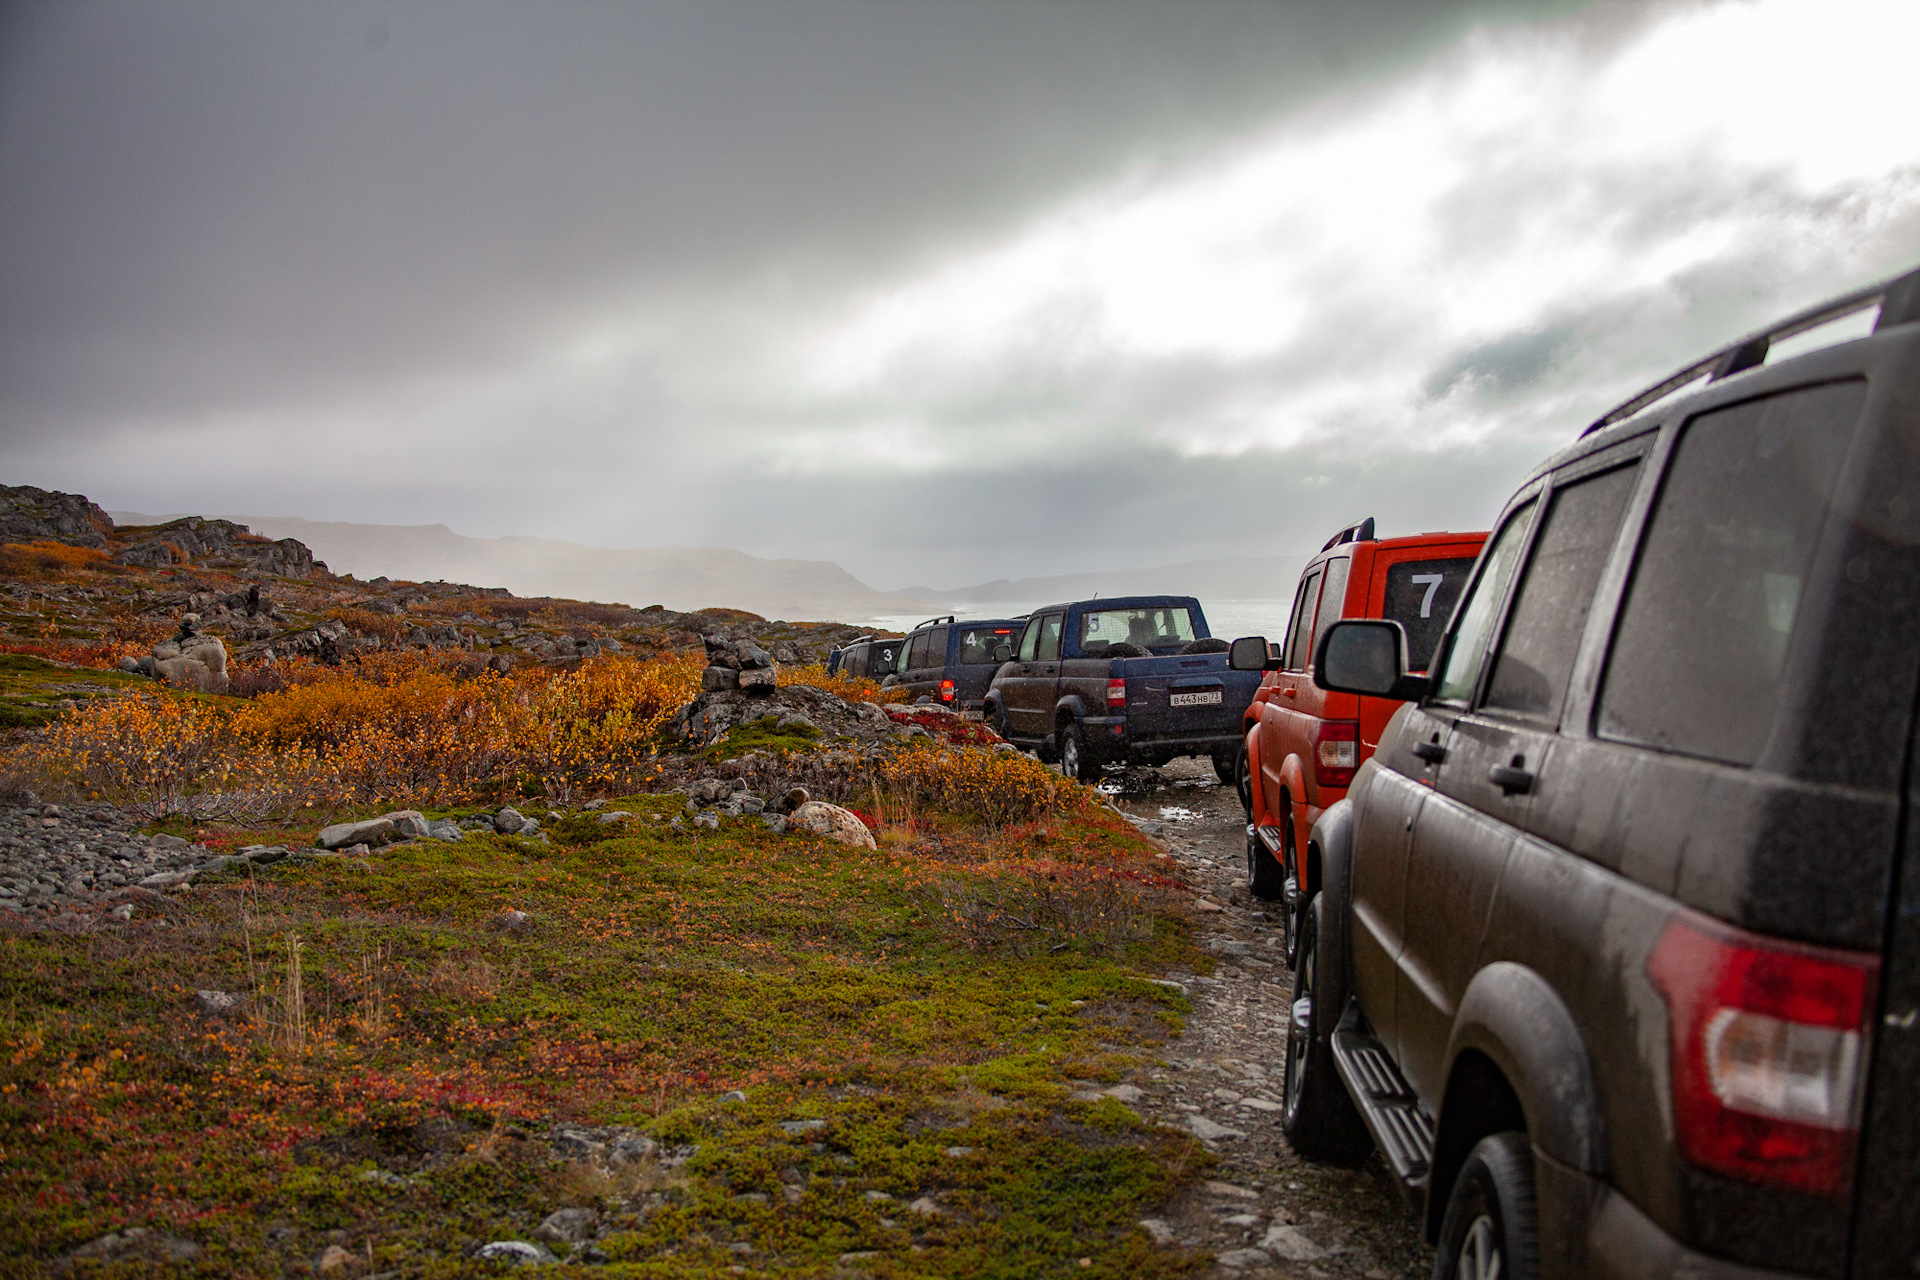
point(976, 643)
point(1153, 627)
point(1420, 597)
point(1701, 645)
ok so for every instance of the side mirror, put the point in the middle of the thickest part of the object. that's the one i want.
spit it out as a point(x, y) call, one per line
point(1366, 655)
point(1002, 653)
point(1251, 653)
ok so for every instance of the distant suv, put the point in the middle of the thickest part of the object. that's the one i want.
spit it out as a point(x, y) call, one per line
point(950, 662)
point(865, 658)
point(1616, 950)
point(1302, 744)
point(1127, 679)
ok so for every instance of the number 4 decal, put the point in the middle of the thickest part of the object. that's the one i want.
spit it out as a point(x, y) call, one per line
point(1432, 581)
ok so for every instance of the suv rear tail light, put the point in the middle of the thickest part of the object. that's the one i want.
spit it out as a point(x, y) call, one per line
point(1336, 752)
point(1116, 693)
point(1768, 1041)
point(946, 691)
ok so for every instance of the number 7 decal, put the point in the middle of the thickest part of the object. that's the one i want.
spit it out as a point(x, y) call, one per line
point(1433, 581)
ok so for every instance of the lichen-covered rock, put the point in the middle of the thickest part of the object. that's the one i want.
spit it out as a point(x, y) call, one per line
point(833, 822)
point(28, 514)
point(343, 835)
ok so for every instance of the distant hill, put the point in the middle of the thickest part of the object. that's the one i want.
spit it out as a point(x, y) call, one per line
point(681, 578)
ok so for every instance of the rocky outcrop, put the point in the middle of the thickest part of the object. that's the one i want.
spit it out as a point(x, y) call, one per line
point(189, 660)
point(737, 664)
point(28, 514)
point(221, 544)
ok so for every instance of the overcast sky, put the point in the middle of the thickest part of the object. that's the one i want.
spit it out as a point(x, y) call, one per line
point(944, 292)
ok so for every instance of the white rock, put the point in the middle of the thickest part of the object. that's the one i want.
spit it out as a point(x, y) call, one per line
point(925, 1207)
point(565, 1226)
point(1125, 1093)
point(344, 834)
point(1239, 1259)
point(1292, 1244)
point(833, 822)
point(517, 1253)
point(1157, 1229)
point(1207, 1131)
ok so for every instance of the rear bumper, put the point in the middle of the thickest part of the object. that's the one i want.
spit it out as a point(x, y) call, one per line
point(1588, 1229)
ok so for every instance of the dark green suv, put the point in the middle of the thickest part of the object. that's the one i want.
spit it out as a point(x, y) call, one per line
point(1614, 946)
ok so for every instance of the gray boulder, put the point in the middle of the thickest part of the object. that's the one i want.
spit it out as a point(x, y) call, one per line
point(342, 835)
point(718, 679)
point(751, 656)
point(758, 683)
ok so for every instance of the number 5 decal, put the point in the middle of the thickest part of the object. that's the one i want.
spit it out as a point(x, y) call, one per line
point(1433, 581)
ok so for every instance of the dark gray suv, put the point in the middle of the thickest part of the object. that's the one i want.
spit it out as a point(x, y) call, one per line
point(1613, 950)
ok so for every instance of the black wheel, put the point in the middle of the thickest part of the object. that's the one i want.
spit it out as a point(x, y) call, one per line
point(1243, 780)
point(1291, 889)
point(1223, 766)
point(1492, 1230)
point(1263, 873)
point(1075, 760)
point(1319, 1118)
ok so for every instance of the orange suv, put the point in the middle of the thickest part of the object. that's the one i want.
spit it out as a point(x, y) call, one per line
point(1302, 744)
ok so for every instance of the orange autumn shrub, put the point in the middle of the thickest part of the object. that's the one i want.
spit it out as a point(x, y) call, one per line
point(47, 559)
point(841, 685)
point(408, 732)
point(998, 787)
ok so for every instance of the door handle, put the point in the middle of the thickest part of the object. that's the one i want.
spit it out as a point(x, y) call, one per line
point(1289, 692)
point(1511, 779)
point(1431, 752)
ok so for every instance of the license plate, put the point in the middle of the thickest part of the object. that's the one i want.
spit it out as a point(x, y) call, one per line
point(1209, 698)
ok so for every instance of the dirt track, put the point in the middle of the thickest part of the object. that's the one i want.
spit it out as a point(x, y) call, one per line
point(1267, 1212)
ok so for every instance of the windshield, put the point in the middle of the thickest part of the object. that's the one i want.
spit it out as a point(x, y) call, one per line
point(1151, 627)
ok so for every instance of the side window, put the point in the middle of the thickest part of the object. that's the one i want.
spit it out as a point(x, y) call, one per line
point(1028, 637)
point(937, 647)
point(1699, 651)
point(1301, 628)
point(1049, 649)
point(1469, 643)
point(1333, 598)
point(880, 659)
point(1535, 659)
point(916, 653)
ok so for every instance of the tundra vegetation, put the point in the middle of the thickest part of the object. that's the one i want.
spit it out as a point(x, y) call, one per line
point(735, 1051)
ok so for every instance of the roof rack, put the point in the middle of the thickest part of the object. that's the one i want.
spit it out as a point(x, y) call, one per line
point(934, 622)
point(1359, 531)
point(1899, 300)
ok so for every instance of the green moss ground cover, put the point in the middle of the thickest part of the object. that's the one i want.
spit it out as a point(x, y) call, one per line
point(398, 1101)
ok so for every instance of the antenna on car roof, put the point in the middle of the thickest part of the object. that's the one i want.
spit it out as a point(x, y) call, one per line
point(1360, 531)
point(1899, 300)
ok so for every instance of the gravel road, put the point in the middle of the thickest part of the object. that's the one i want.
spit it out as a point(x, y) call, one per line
point(1266, 1212)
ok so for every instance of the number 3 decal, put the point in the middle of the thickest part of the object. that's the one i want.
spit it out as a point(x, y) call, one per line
point(1432, 581)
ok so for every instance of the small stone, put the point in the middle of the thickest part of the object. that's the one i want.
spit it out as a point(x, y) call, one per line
point(1157, 1229)
point(958, 1152)
point(214, 1004)
point(707, 818)
point(333, 1261)
point(407, 823)
point(733, 1098)
point(925, 1207)
point(877, 1197)
point(123, 912)
point(803, 1126)
point(1260, 1104)
point(1227, 1190)
point(509, 822)
point(1292, 1244)
point(1126, 1093)
point(612, 816)
point(517, 1253)
point(1239, 1259)
point(1207, 906)
point(1242, 1220)
point(567, 1226)
point(1207, 1131)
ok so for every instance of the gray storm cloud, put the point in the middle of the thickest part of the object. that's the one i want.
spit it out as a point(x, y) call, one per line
point(944, 293)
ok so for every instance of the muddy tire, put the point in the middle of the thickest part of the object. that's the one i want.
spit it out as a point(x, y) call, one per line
point(1223, 766)
point(1319, 1119)
point(1264, 879)
point(1492, 1227)
point(1243, 780)
point(1075, 760)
